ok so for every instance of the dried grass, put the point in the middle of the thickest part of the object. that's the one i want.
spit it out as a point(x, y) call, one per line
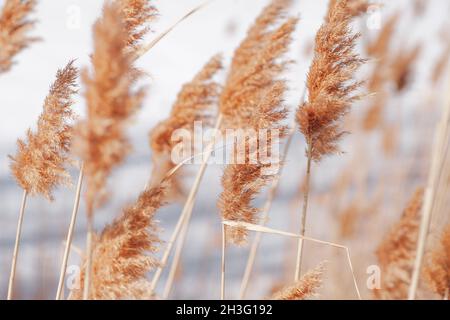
point(252, 99)
point(120, 253)
point(112, 101)
point(15, 25)
point(39, 165)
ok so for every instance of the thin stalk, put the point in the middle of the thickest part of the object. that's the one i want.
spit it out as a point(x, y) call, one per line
point(298, 265)
point(186, 209)
point(144, 49)
point(438, 157)
point(265, 215)
point(263, 229)
point(176, 259)
point(222, 269)
point(88, 269)
point(16, 245)
point(69, 238)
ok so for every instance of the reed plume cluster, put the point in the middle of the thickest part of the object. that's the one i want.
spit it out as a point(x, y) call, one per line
point(122, 252)
point(330, 83)
point(112, 100)
point(305, 288)
point(15, 25)
point(437, 270)
point(195, 102)
point(39, 165)
point(136, 16)
point(252, 99)
point(397, 251)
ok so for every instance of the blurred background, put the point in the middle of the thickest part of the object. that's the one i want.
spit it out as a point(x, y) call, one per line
point(355, 196)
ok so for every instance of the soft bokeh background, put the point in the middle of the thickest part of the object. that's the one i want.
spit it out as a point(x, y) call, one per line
point(65, 29)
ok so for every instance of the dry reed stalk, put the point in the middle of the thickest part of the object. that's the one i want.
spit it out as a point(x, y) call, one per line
point(222, 267)
point(14, 26)
point(146, 48)
point(264, 217)
point(251, 100)
point(194, 103)
point(111, 102)
point(397, 251)
point(187, 209)
point(437, 270)
point(263, 229)
point(439, 162)
point(39, 164)
point(175, 267)
point(119, 260)
point(330, 89)
point(69, 238)
point(303, 289)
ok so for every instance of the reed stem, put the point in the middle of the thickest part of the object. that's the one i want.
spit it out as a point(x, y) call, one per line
point(16, 245)
point(69, 238)
point(187, 209)
point(222, 272)
point(265, 215)
point(89, 247)
point(300, 243)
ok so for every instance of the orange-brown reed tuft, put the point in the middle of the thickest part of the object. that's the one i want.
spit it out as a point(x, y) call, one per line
point(195, 102)
point(136, 14)
point(252, 100)
point(330, 85)
point(305, 288)
point(14, 26)
point(39, 165)
point(437, 270)
point(402, 65)
point(120, 254)
point(111, 102)
point(397, 251)
point(249, 77)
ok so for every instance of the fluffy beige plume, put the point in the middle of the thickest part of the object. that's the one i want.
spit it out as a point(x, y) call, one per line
point(39, 165)
point(120, 253)
point(252, 99)
point(303, 289)
point(111, 102)
point(137, 15)
point(397, 252)
point(330, 82)
point(195, 102)
point(14, 26)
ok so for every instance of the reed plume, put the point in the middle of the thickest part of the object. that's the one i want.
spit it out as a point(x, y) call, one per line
point(121, 260)
point(136, 15)
point(195, 102)
point(396, 252)
point(331, 90)
point(252, 99)
point(248, 78)
point(330, 83)
point(14, 27)
point(437, 271)
point(402, 65)
point(111, 101)
point(303, 289)
point(40, 162)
